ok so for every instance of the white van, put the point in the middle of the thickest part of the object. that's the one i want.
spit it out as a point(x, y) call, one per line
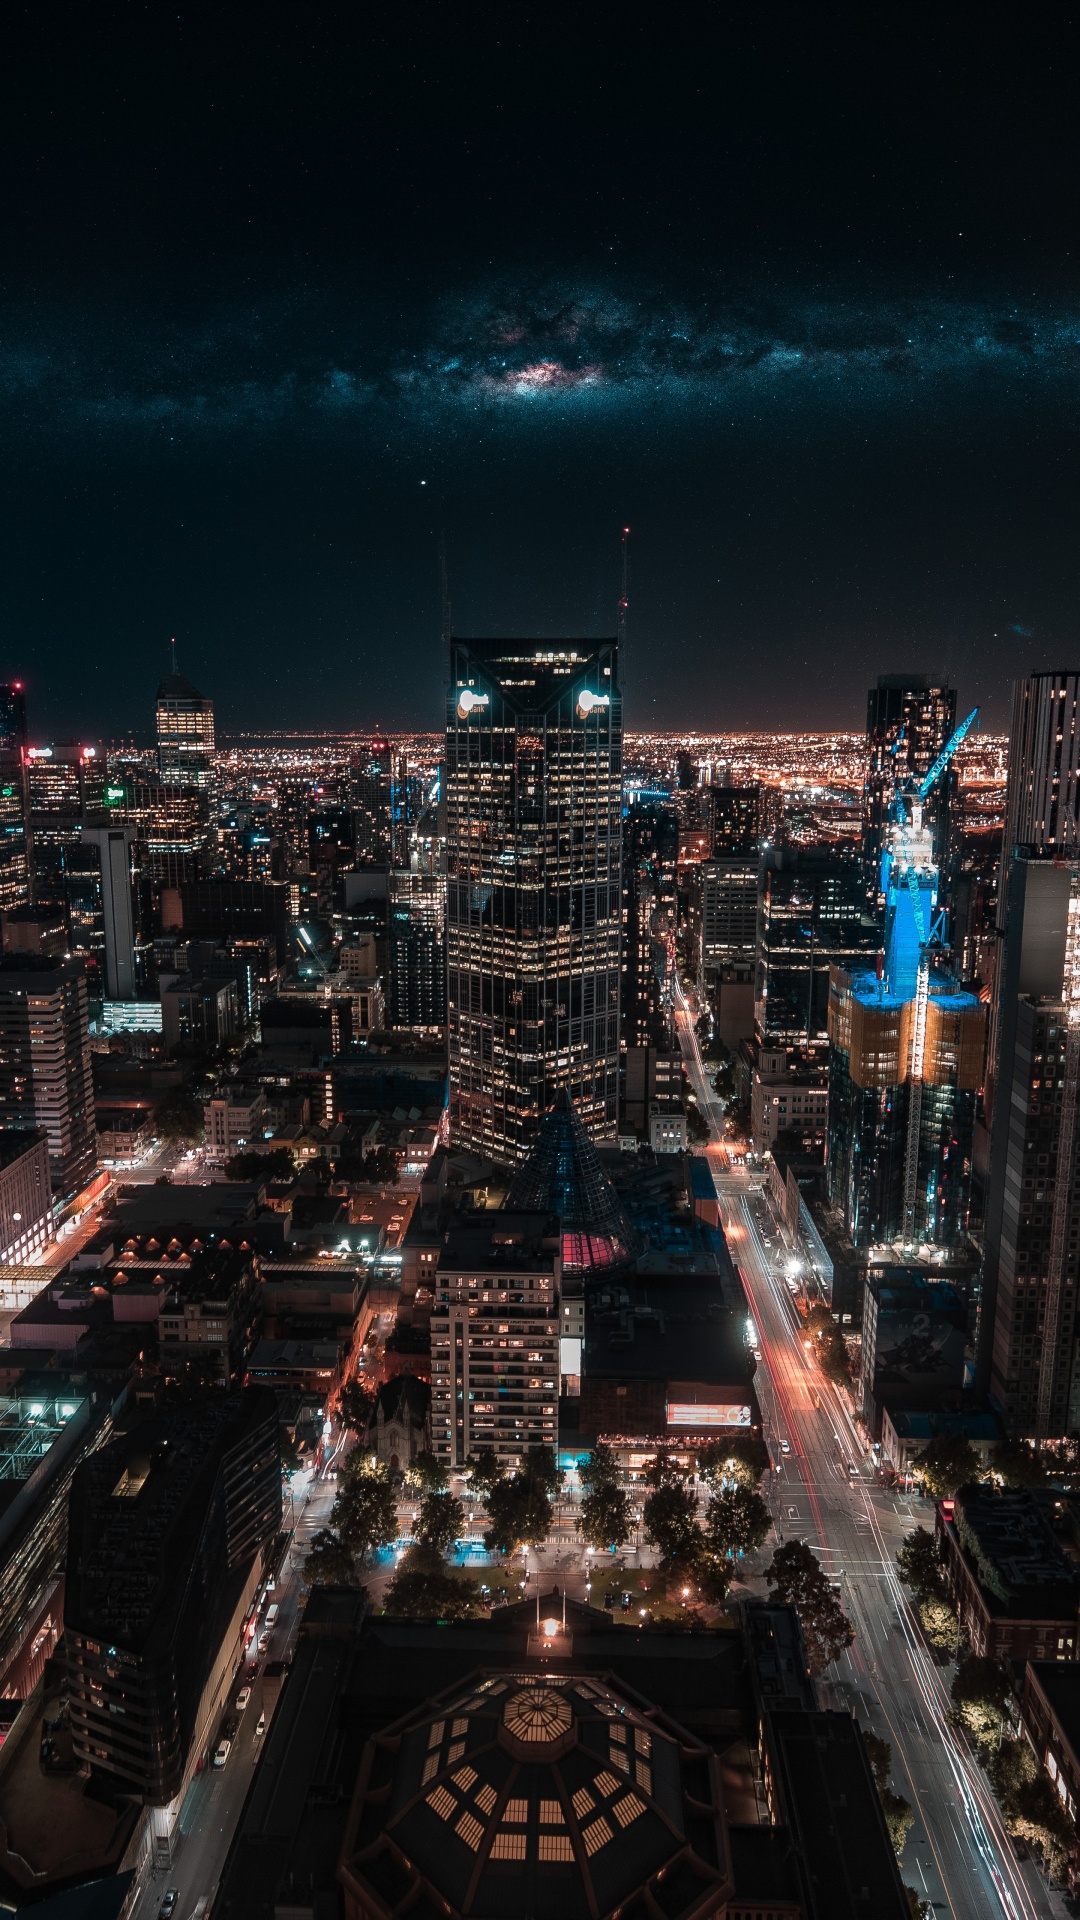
point(270, 1621)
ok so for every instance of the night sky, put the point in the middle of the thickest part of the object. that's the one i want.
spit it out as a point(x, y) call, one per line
point(794, 294)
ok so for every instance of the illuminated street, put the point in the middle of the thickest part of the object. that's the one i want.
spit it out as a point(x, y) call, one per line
point(958, 1854)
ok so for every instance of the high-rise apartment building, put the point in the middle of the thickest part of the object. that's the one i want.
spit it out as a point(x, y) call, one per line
point(640, 1017)
point(495, 1338)
point(533, 796)
point(15, 873)
point(909, 717)
point(417, 940)
point(66, 787)
point(45, 1061)
point(1029, 1352)
point(185, 734)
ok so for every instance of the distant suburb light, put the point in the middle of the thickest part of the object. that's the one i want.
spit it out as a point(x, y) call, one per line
point(587, 702)
point(467, 700)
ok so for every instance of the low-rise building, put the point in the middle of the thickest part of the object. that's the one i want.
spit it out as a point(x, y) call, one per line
point(664, 1360)
point(211, 1316)
point(788, 1099)
point(1015, 1591)
point(914, 1334)
point(904, 1434)
point(232, 1119)
point(1050, 1715)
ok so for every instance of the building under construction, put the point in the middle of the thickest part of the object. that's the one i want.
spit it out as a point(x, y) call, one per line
point(906, 1053)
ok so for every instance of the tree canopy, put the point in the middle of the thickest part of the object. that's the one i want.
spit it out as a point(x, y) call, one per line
point(736, 1521)
point(945, 1463)
point(741, 1459)
point(440, 1522)
point(605, 1517)
point(364, 1514)
point(801, 1582)
point(179, 1118)
point(420, 1593)
point(330, 1562)
point(276, 1165)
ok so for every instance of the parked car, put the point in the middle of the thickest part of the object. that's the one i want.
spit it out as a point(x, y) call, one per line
point(169, 1902)
point(222, 1752)
point(785, 1446)
point(242, 1699)
point(260, 1726)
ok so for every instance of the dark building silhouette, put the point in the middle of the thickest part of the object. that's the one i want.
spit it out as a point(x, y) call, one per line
point(1027, 1340)
point(167, 1527)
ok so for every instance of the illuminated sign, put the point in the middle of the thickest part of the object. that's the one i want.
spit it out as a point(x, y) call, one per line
point(39, 753)
point(588, 702)
point(468, 701)
point(688, 1413)
point(113, 796)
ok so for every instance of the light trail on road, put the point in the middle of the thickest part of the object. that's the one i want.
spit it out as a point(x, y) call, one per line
point(888, 1676)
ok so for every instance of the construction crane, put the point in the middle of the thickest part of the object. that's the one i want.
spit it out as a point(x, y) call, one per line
point(311, 952)
point(910, 863)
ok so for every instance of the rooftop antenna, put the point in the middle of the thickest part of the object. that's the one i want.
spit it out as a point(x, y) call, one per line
point(172, 644)
point(444, 595)
point(624, 602)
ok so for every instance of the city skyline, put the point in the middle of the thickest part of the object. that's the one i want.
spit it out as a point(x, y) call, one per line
point(801, 310)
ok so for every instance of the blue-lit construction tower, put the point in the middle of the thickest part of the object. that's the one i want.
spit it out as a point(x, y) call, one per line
point(906, 1054)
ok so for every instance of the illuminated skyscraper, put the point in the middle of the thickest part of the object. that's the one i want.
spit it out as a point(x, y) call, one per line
point(15, 874)
point(908, 720)
point(185, 734)
point(373, 802)
point(45, 1061)
point(533, 795)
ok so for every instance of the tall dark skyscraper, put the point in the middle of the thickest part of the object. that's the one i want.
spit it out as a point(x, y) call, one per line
point(1029, 1354)
point(185, 733)
point(920, 714)
point(533, 796)
point(13, 734)
point(1042, 807)
point(15, 875)
point(373, 803)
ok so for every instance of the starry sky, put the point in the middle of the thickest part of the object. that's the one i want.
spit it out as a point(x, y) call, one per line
point(284, 297)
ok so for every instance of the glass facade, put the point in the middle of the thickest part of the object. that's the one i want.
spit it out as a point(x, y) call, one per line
point(533, 799)
point(811, 916)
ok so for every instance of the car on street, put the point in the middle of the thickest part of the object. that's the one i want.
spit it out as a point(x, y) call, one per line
point(242, 1699)
point(260, 1726)
point(222, 1752)
point(785, 1446)
point(166, 1908)
point(264, 1639)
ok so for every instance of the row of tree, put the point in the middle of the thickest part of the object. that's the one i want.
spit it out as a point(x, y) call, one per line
point(950, 1461)
point(980, 1695)
point(699, 1553)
